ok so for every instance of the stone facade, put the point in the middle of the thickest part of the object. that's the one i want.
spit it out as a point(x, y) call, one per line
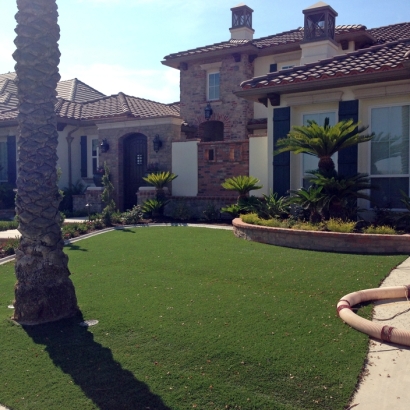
point(234, 112)
point(168, 130)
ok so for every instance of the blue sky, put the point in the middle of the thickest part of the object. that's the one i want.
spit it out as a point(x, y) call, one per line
point(118, 45)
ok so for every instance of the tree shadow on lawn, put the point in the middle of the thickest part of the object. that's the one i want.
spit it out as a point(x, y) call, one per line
point(92, 367)
point(73, 247)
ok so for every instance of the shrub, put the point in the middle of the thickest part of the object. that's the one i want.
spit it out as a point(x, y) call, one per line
point(273, 207)
point(211, 213)
point(9, 246)
point(154, 206)
point(132, 216)
point(380, 230)
point(337, 225)
point(180, 211)
point(159, 179)
point(7, 225)
point(242, 184)
point(307, 226)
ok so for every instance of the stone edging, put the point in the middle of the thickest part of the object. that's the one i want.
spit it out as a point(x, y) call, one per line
point(323, 241)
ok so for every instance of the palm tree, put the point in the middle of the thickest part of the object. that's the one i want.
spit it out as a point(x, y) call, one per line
point(44, 291)
point(322, 141)
point(242, 184)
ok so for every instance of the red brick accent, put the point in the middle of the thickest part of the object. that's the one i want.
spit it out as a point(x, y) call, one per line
point(324, 241)
point(231, 158)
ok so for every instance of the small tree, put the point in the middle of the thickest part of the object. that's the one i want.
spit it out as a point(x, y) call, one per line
point(107, 196)
point(159, 180)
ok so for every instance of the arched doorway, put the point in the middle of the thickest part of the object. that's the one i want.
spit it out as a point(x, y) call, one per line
point(135, 167)
point(211, 131)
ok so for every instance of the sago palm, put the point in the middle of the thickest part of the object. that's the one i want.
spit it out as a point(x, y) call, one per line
point(242, 184)
point(44, 291)
point(322, 141)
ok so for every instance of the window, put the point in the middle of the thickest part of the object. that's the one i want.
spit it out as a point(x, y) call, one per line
point(210, 154)
point(213, 86)
point(310, 162)
point(389, 157)
point(94, 154)
point(3, 161)
point(286, 67)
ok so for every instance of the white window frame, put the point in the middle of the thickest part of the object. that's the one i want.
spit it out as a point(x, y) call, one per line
point(302, 156)
point(91, 157)
point(208, 88)
point(369, 153)
point(212, 68)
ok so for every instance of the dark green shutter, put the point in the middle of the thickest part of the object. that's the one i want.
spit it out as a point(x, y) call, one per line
point(347, 158)
point(83, 143)
point(11, 160)
point(281, 162)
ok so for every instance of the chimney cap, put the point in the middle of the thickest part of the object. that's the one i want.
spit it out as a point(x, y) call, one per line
point(319, 6)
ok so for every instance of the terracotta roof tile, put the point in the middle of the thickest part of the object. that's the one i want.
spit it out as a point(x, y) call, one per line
point(384, 57)
point(390, 33)
point(287, 37)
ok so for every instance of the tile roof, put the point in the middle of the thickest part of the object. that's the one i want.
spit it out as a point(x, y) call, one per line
point(73, 90)
point(390, 33)
point(287, 37)
point(379, 58)
point(115, 106)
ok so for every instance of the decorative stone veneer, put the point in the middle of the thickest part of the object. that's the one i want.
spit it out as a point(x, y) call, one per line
point(323, 241)
point(92, 197)
point(168, 130)
point(234, 112)
point(197, 205)
point(229, 158)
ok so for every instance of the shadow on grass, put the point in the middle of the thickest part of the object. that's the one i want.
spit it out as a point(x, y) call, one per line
point(92, 367)
point(73, 247)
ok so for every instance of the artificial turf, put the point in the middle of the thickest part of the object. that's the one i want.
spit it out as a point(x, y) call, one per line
point(192, 318)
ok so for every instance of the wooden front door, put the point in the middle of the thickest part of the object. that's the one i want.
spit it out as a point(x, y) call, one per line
point(135, 167)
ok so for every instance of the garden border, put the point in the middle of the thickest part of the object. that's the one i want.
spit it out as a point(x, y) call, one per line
point(323, 241)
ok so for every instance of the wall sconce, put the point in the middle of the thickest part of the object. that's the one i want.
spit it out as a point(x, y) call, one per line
point(208, 112)
point(157, 143)
point(104, 146)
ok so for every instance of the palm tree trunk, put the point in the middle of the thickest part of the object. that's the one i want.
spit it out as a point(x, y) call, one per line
point(44, 291)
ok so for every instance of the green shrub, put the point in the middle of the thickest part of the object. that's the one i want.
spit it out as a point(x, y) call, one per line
point(8, 247)
point(132, 216)
point(380, 230)
point(242, 184)
point(307, 226)
point(251, 219)
point(180, 211)
point(7, 225)
point(159, 179)
point(338, 225)
point(211, 213)
point(273, 207)
point(154, 206)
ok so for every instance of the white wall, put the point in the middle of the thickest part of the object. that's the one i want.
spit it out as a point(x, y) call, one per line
point(259, 161)
point(185, 165)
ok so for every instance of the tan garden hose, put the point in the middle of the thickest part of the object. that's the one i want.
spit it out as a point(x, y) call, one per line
point(378, 331)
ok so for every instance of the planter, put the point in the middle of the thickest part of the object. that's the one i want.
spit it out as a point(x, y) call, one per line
point(323, 241)
point(97, 179)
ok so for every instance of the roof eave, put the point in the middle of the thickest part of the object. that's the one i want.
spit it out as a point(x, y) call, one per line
point(257, 93)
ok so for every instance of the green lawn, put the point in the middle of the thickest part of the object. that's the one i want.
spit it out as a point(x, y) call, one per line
point(192, 318)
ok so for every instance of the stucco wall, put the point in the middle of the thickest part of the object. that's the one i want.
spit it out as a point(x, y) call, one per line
point(185, 165)
point(258, 162)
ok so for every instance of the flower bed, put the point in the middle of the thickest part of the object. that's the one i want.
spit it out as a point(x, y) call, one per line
point(323, 241)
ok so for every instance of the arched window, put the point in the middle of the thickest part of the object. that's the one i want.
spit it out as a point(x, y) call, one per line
point(211, 131)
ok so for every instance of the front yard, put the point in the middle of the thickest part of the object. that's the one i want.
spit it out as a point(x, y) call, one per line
point(192, 318)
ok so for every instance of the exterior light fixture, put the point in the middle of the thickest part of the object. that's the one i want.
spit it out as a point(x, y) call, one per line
point(208, 112)
point(157, 143)
point(104, 146)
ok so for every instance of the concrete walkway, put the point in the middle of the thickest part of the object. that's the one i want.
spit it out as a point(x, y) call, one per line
point(386, 377)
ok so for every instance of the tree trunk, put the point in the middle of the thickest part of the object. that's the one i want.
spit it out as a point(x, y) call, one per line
point(44, 291)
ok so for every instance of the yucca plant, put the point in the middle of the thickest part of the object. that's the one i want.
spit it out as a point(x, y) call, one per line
point(242, 184)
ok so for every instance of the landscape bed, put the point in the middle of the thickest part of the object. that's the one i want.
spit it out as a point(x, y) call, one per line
point(192, 318)
point(323, 241)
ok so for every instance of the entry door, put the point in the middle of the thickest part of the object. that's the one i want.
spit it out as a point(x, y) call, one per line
point(135, 167)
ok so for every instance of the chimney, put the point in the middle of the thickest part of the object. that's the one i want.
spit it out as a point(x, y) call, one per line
point(319, 33)
point(241, 23)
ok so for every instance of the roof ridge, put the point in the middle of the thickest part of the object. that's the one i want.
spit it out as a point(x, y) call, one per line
point(124, 103)
point(390, 25)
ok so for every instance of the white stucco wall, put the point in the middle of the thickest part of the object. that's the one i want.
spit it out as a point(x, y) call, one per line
point(185, 165)
point(259, 161)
